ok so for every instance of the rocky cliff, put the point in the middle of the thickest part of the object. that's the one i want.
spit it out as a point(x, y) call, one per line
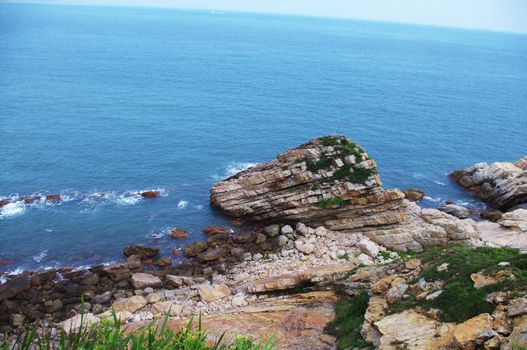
point(503, 185)
point(328, 181)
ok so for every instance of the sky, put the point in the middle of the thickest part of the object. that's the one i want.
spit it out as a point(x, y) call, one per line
point(500, 15)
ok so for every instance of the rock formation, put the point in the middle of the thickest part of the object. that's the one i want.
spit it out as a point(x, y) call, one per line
point(503, 185)
point(328, 181)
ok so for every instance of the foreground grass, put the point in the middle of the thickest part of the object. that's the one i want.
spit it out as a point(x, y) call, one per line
point(460, 300)
point(108, 335)
point(348, 321)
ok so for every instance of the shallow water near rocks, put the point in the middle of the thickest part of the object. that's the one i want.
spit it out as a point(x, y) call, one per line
point(100, 103)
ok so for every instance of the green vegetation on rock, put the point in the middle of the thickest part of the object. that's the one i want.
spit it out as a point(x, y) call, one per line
point(459, 300)
point(343, 147)
point(108, 335)
point(331, 202)
point(348, 321)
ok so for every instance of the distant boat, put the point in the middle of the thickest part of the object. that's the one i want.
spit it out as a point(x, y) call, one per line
point(216, 12)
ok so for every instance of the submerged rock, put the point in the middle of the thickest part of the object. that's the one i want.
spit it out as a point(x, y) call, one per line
point(329, 181)
point(140, 250)
point(503, 185)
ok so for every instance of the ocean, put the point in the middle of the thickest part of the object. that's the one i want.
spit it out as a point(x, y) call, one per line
point(98, 103)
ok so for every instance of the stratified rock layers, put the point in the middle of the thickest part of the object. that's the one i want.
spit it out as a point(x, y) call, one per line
point(503, 185)
point(328, 181)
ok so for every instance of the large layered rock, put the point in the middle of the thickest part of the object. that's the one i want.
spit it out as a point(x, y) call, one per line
point(425, 227)
point(328, 181)
point(503, 185)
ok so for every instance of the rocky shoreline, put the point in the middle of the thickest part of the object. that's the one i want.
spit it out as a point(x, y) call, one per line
point(326, 224)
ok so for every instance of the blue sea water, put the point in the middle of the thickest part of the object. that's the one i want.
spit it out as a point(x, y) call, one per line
point(97, 103)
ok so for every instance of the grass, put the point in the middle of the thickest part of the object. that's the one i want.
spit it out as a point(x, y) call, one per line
point(108, 335)
point(460, 300)
point(348, 172)
point(348, 321)
point(331, 202)
point(323, 163)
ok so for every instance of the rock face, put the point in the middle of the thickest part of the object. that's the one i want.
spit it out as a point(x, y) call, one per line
point(328, 181)
point(503, 185)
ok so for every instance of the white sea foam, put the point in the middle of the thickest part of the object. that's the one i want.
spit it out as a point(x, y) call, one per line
point(38, 258)
point(48, 230)
point(440, 183)
point(198, 207)
point(16, 271)
point(432, 199)
point(12, 209)
point(182, 204)
point(232, 169)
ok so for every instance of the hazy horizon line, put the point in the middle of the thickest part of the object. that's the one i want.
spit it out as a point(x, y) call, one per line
point(277, 13)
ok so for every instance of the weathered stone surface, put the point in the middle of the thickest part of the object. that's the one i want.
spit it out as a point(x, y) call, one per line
point(193, 249)
point(425, 228)
point(213, 292)
point(178, 233)
point(515, 220)
point(131, 304)
point(491, 215)
point(503, 185)
point(292, 280)
point(73, 324)
point(14, 286)
point(368, 247)
point(217, 230)
point(517, 307)
point(142, 280)
point(211, 254)
point(167, 307)
point(457, 210)
point(141, 250)
point(474, 331)
point(414, 194)
point(296, 321)
point(179, 281)
point(413, 331)
point(303, 184)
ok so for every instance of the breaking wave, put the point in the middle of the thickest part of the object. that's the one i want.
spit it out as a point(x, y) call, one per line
point(232, 169)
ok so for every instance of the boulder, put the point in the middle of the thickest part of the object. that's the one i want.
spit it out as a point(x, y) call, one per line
point(368, 247)
point(211, 254)
point(140, 250)
point(14, 286)
point(53, 197)
point(167, 307)
point(517, 307)
point(271, 230)
point(491, 215)
point(456, 210)
point(213, 292)
point(178, 233)
point(515, 220)
point(413, 331)
point(503, 185)
point(73, 324)
point(150, 194)
point(325, 273)
point(308, 184)
point(217, 230)
point(142, 280)
point(131, 304)
point(179, 281)
point(414, 194)
point(193, 249)
point(474, 332)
